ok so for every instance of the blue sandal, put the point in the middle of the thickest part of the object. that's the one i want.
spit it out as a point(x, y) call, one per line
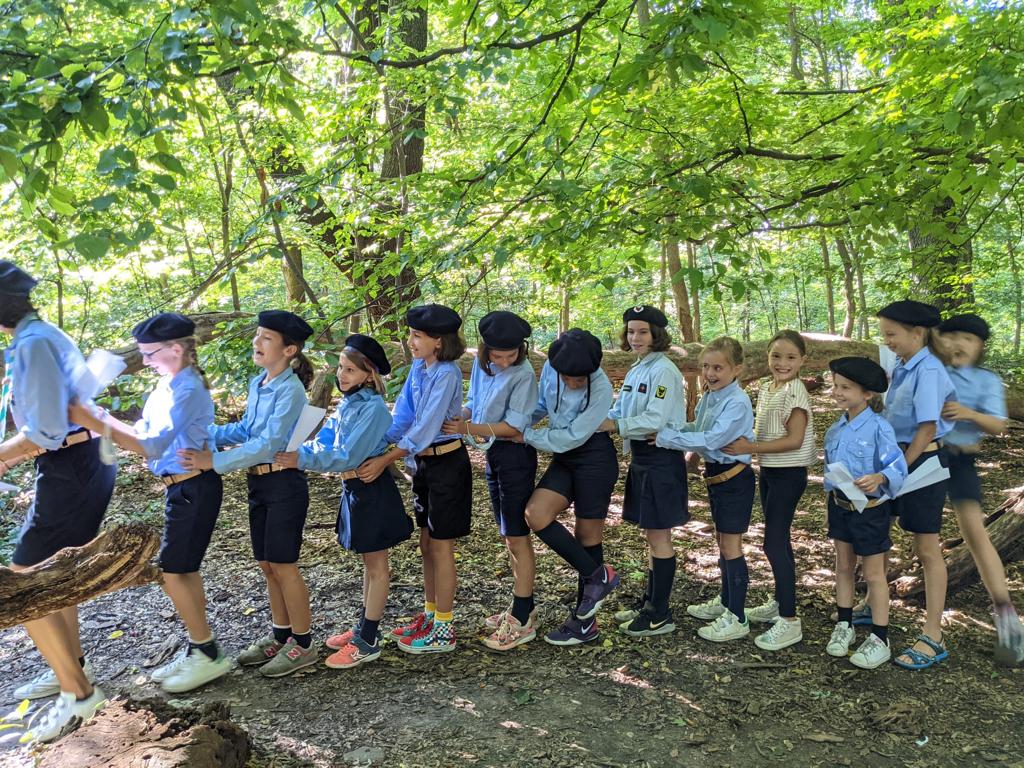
point(923, 660)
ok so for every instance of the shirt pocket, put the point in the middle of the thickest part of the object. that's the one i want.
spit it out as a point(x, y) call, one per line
point(862, 456)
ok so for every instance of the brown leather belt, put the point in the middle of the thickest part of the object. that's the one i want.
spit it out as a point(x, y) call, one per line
point(72, 439)
point(441, 449)
point(351, 475)
point(265, 469)
point(170, 480)
point(848, 505)
point(729, 474)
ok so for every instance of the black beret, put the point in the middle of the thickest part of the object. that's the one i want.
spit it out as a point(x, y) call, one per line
point(167, 326)
point(503, 330)
point(371, 350)
point(435, 319)
point(911, 312)
point(575, 353)
point(647, 313)
point(15, 281)
point(969, 323)
point(288, 324)
point(863, 371)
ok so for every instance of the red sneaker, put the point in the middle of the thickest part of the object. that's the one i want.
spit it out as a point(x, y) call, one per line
point(419, 627)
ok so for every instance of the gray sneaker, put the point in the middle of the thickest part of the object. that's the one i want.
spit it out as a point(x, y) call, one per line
point(260, 652)
point(291, 658)
point(45, 684)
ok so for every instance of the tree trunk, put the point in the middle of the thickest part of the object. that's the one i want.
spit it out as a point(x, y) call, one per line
point(942, 271)
point(848, 294)
point(663, 282)
point(292, 270)
point(830, 296)
point(236, 302)
point(691, 258)
point(670, 251)
point(1018, 296)
point(800, 324)
point(563, 315)
point(858, 267)
point(796, 70)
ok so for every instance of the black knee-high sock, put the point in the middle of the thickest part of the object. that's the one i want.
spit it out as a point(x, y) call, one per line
point(569, 549)
point(663, 575)
point(649, 586)
point(725, 581)
point(738, 581)
point(597, 552)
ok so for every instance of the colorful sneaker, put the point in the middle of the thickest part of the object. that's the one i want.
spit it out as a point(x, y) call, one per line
point(708, 611)
point(290, 659)
point(725, 628)
point(260, 652)
point(842, 638)
point(595, 590)
point(763, 614)
point(494, 620)
point(574, 631)
point(194, 670)
point(510, 634)
point(646, 624)
point(45, 684)
point(337, 642)
point(51, 721)
point(440, 638)
point(781, 635)
point(417, 628)
point(357, 652)
point(873, 653)
point(626, 615)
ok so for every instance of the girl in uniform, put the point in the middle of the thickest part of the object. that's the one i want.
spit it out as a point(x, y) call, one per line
point(72, 488)
point(865, 444)
point(784, 443)
point(723, 415)
point(442, 486)
point(980, 410)
point(919, 390)
point(278, 495)
point(371, 517)
point(575, 396)
point(176, 415)
point(501, 401)
point(652, 398)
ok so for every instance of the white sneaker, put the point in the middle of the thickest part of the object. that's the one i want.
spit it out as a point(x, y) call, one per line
point(872, 653)
point(712, 609)
point(842, 638)
point(725, 628)
point(45, 684)
point(54, 718)
point(162, 673)
point(197, 669)
point(782, 634)
point(764, 614)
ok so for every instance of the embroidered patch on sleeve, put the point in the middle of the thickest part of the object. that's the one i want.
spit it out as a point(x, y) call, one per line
point(627, 387)
point(642, 389)
point(660, 393)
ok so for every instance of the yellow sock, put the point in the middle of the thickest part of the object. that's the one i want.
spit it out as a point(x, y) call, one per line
point(429, 607)
point(443, 616)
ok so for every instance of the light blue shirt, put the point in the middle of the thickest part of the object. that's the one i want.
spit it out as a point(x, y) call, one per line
point(270, 415)
point(917, 392)
point(652, 397)
point(429, 397)
point(45, 367)
point(177, 415)
point(354, 433)
point(571, 420)
point(510, 395)
point(722, 416)
point(980, 390)
point(866, 445)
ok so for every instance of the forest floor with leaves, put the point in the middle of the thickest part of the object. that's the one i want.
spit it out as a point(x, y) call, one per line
point(669, 700)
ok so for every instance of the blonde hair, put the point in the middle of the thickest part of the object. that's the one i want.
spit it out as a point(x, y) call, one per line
point(728, 346)
point(362, 362)
point(189, 346)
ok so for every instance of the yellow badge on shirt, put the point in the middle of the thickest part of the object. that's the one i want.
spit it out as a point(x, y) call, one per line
point(660, 393)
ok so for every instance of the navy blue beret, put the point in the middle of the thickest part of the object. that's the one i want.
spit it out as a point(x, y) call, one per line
point(647, 313)
point(910, 312)
point(575, 353)
point(863, 371)
point(288, 324)
point(967, 323)
point(15, 281)
point(371, 350)
point(503, 330)
point(167, 326)
point(435, 319)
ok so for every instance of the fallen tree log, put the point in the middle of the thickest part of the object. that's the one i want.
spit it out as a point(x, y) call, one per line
point(119, 557)
point(206, 330)
point(128, 734)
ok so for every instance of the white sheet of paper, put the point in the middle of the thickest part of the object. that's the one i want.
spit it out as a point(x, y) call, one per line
point(309, 419)
point(7, 487)
point(929, 473)
point(840, 476)
point(103, 367)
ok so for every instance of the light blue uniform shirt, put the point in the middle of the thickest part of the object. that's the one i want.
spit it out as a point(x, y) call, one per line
point(917, 392)
point(866, 445)
point(980, 390)
point(652, 397)
point(429, 397)
point(45, 366)
point(177, 415)
point(722, 416)
point(270, 415)
point(571, 421)
point(354, 433)
point(510, 395)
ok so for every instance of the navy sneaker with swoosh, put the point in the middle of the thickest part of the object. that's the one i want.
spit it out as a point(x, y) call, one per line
point(597, 587)
point(574, 631)
point(648, 625)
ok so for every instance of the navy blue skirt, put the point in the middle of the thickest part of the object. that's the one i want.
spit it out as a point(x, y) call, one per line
point(372, 516)
point(656, 494)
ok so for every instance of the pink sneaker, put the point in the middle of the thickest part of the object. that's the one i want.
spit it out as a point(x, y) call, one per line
point(337, 642)
point(352, 655)
point(510, 634)
point(493, 621)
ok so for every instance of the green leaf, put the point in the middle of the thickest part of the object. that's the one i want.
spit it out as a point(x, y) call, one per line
point(72, 106)
point(103, 202)
point(168, 161)
point(165, 181)
point(91, 246)
point(60, 206)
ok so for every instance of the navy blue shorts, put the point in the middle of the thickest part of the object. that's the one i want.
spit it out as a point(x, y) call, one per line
point(920, 511)
point(73, 488)
point(511, 472)
point(278, 503)
point(585, 476)
point(190, 515)
point(656, 493)
point(372, 516)
point(732, 502)
point(442, 493)
point(964, 483)
point(867, 531)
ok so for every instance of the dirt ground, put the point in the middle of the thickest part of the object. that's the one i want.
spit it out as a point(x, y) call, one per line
point(672, 700)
